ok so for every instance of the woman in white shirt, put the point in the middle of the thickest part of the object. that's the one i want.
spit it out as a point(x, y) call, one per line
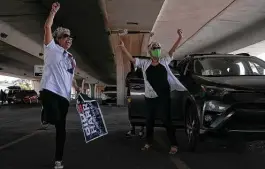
point(159, 82)
point(57, 80)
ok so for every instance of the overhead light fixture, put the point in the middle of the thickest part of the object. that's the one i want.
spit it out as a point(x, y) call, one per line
point(132, 23)
point(3, 35)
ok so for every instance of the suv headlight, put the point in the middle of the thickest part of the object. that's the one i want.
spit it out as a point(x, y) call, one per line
point(214, 91)
point(215, 106)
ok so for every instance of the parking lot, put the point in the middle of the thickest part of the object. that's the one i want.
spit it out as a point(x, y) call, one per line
point(25, 144)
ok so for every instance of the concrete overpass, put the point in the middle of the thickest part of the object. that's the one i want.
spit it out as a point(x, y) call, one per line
point(22, 22)
point(209, 25)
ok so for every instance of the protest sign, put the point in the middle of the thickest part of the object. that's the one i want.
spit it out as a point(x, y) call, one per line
point(91, 117)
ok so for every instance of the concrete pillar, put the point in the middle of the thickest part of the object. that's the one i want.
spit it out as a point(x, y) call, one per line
point(36, 85)
point(137, 45)
point(80, 84)
point(92, 91)
point(83, 86)
point(120, 80)
point(144, 46)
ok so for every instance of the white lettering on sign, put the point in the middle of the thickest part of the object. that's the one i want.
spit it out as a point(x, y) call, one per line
point(87, 120)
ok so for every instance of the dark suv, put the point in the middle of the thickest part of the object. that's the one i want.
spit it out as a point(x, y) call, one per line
point(226, 93)
point(229, 94)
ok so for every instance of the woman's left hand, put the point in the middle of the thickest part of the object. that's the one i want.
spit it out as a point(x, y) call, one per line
point(180, 33)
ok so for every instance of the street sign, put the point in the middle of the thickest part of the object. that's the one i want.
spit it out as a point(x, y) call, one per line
point(38, 69)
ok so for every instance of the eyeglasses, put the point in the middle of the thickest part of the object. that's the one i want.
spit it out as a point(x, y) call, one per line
point(67, 36)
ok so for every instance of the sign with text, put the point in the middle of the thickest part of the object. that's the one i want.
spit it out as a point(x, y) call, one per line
point(91, 117)
point(38, 69)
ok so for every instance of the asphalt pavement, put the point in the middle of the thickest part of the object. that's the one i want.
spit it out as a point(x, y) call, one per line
point(24, 144)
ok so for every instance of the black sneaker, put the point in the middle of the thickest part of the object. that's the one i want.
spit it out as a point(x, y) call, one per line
point(141, 134)
point(130, 134)
point(58, 165)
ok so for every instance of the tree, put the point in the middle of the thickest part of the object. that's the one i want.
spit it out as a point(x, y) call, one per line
point(23, 83)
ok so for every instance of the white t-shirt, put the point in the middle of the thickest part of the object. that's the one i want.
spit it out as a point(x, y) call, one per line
point(173, 81)
point(59, 68)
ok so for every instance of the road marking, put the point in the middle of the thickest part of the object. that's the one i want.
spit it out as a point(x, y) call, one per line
point(176, 160)
point(18, 140)
point(179, 163)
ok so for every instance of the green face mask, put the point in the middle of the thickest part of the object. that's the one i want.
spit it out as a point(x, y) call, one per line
point(156, 53)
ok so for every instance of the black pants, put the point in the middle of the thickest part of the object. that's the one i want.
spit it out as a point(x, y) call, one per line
point(55, 110)
point(159, 105)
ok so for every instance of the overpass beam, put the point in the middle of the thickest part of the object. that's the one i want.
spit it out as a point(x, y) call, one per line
point(246, 37)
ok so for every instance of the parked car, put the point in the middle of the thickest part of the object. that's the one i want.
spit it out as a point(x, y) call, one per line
point(109, 95)
point(26, 97)
point(11, 92)
point(226, 94)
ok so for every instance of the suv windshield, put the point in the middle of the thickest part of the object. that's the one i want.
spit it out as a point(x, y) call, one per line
point(229, 66)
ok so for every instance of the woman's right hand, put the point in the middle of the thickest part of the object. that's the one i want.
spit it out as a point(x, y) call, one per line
point(121, 44)
point(55, 7)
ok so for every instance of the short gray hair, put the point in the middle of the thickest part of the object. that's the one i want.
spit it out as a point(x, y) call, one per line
point(60, 31)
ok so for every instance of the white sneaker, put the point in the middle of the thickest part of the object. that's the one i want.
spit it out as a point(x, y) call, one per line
point(58, 165)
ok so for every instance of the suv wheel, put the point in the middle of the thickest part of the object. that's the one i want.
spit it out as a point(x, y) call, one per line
point(192, 126)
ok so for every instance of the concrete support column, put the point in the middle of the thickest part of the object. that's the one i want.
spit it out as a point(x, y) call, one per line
point(79, 83)
point(120, 80)
point(36, 85)
point(137, 45)
point(83, 86)
point(92, 90)
point(144, 46)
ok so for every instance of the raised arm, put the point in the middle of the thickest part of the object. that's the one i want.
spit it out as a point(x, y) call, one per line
point(127, 53)
point(176, 44)
point(77, 88)
point(48, 24)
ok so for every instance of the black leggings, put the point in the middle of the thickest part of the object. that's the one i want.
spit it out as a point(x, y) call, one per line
point(55, 111)
point(60, 140)
point(161, 105)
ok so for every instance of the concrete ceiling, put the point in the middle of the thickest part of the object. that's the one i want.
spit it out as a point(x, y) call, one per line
point(91, 48)
point(207, 24)
point(18, 63)
point(141, 12)
point(185, 14)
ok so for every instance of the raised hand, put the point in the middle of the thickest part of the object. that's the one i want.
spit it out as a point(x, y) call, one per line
point(180, 33)
point(55, 7)
point(121, 43)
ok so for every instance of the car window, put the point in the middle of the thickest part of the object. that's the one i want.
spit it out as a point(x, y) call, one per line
point(229, 66)
point(188, 69)
point(257, 69)
point(173, 65)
